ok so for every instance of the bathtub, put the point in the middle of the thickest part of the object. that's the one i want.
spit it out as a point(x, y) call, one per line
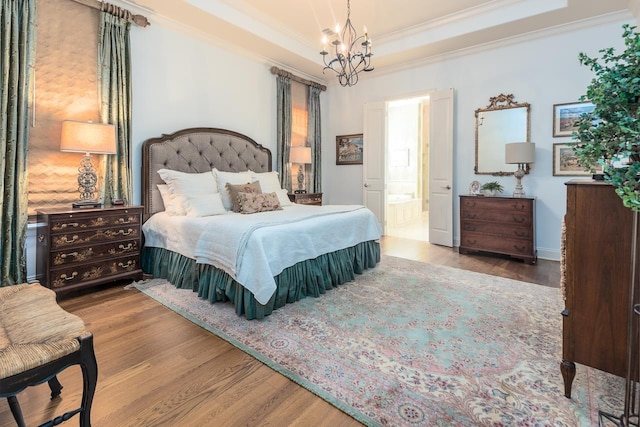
point(402, 209)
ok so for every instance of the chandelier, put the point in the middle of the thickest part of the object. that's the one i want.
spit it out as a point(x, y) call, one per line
point(348, 61)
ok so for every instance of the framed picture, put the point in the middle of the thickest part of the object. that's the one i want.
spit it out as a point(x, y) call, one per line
point(349, 149)
point(566, 163)
point(565, 117)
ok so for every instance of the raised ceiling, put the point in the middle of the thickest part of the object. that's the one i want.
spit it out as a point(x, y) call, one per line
point(404, 32)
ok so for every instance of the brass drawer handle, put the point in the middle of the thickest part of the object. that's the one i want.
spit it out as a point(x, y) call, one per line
point(519, 220)
point(519, 207)
point(470, 204)
point(69, 224)
point(73, 239)
point(520, 233)
point(67, 278)
point(470, 227)
point(125, 248)
point(125, 233)
point(473, 242)
point(73, 254)
point(128, 266)
point(470, 215)
point(124, 221)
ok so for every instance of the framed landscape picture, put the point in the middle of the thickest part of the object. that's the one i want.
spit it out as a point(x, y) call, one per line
point(566, 163)
point(349, 149)
point(565, 117)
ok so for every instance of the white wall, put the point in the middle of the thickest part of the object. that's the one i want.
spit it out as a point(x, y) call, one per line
point(539, 70)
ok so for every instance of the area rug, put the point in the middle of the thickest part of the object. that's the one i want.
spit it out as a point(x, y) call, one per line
point(415, 344)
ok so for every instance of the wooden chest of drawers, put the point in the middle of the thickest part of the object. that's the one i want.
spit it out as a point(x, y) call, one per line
point(503, 225)
point(306, 198)
point(78, 248)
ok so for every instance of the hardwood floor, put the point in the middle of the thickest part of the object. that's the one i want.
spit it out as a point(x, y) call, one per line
point(158, 369)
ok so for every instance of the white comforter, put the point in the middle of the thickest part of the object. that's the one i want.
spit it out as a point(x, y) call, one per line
point(255, 248)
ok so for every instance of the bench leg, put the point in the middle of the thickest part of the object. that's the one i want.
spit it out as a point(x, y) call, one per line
point(55, 387)
point(90, 378)
point(15, 410)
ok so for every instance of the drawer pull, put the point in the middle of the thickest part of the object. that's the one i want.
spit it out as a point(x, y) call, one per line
point(470, 204)
point(470, 227)
point(124, 221)
point(67, 278)
point(69, 224)
point(469, 215)
point(125, 248)
point(519, 220)
point(73, 254)
point(519, 207)
point(125, 233)
point(128, 266)
point(471, 242)
point(73, 239)
point(520, 233)
point(519, 248)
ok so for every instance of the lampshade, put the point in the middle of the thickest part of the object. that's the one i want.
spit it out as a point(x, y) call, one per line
point(300, 155)
point(520, 152)
point(88, 137)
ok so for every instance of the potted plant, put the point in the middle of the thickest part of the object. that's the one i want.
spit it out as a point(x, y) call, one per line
point(492, 187)
point(610, 134)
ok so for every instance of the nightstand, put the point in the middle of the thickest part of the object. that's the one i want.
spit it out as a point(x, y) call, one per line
point(78, 248)
point(306, 198)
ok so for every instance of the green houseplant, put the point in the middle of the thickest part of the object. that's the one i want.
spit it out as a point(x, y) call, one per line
point(610, 134)
point(492, 187)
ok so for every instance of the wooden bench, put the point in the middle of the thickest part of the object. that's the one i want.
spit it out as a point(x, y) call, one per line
point(38, 340)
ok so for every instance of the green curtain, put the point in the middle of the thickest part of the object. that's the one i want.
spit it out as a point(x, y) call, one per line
point(314, 135)
point(284, 129)
point(17, 37)
point(114, 74)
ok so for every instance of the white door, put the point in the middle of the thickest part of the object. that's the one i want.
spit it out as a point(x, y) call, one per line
point(441, 167)
point(373, 160)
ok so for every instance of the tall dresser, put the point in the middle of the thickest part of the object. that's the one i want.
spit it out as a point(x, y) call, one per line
point(503, 225)
point(597, 275)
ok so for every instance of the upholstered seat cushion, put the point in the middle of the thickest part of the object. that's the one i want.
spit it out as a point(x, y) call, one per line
point(34, 329)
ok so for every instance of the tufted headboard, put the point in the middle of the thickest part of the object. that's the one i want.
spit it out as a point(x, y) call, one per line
point(197, 150)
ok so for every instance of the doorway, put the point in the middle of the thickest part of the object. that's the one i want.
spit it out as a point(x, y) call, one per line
point(407, 174)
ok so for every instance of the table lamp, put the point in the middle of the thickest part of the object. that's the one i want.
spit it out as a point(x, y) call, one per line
point(520, 153)
point(87, 137)
point(301, 156)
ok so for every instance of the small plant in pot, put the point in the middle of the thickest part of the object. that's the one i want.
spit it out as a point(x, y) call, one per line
point(610, 134)
point(492, 188)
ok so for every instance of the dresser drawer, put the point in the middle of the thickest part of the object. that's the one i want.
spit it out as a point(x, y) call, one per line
point(497, 203)
point(74, 239)
point(76, 274)
point(505, 217)
point(70, 222)
point(494, 229)
point(482, 242)
point(94, 252)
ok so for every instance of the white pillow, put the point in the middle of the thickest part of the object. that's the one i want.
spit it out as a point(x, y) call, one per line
point(173, 203)
point(233, 178)
point(204, 205)
point(270, 183)
point(189, 184)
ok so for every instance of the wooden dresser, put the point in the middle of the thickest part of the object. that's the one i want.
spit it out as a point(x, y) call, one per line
point(77, 248)
point(597, 277)
point(502, 225)
point(306, 198)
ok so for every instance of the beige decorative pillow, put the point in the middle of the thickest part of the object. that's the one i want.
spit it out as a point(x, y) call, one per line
point(258, 202)
point(234, 190)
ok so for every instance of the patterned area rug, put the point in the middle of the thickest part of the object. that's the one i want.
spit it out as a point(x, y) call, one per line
point(410, 344)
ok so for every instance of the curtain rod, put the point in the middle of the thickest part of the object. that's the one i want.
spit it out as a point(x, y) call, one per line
point(280, 72)
point(139, 20)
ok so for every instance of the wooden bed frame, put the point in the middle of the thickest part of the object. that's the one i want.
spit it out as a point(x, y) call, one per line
point(198, 150)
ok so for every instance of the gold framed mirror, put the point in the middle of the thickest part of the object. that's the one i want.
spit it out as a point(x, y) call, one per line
point(501, 122)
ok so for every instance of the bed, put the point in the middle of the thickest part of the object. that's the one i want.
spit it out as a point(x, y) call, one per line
point(260, 261)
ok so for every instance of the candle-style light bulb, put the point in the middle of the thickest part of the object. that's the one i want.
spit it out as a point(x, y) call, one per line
point(337, 28)
point(324, 42)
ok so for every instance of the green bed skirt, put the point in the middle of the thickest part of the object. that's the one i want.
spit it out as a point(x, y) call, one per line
point(307, 278)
